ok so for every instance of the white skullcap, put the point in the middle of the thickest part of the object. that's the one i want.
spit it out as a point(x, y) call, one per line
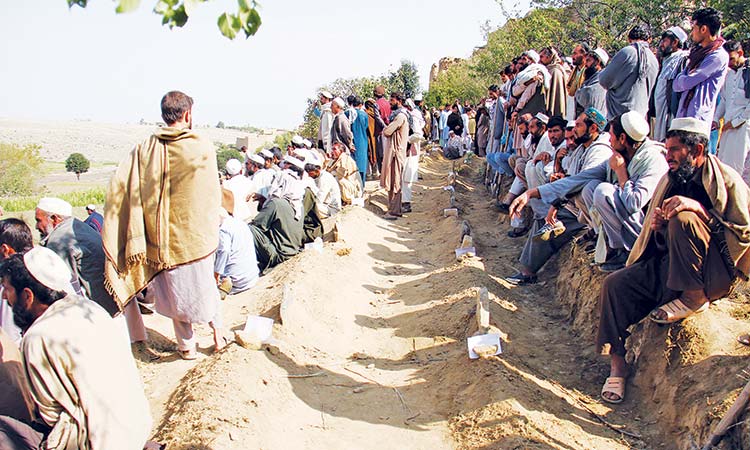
point(635, 125)
point(266, 154)
point(340, 101)
point(691, 125)
point(307, 143)
point(254, 157)
point(533, 55)
point(326, 94)
point(53, 205)
point(602, 55)
point(544, 118)
point(234, 166)
point(679, 33)
point(91, 207)
point(297, 140)
point(410, 103)
point(48, 269)
point(570, 124)
point(418, 98)
point(294, 161)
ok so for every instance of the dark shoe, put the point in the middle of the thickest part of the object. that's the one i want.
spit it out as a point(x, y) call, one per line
point(520, 279)
point(389, 216)
point(590, 248)
point(518, 232)
point(616, 262)
point(503, 208)
point(406, 207)
point(588, 236)
point(744, 339)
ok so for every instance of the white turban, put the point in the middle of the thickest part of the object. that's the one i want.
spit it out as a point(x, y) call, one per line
point(57, 206)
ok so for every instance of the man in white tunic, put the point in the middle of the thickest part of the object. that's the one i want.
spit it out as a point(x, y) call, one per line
point(734, 108)
point(81, 373)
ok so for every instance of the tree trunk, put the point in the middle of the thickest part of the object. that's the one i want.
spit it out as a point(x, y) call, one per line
point(78, 176)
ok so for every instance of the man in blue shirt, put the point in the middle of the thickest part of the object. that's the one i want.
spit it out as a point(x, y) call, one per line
point(94, 220)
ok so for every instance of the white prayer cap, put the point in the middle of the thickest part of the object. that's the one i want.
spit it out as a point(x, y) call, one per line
point(48, 269)
point(692, 125)
point(326, 94)
point(297, 140)
point(266, 154)
point(302, 154)
point(602, 55)
point(257, 159)
point(410, 103)
point(307, 143)
point(53, 205)
point(340, 101)
point(418, 98)
point(571, 124)
point(294, 161)
point(533, 55)
point(635, 125)
point(679, 33)
point(233, 167)
point(544, 118)
point(91, 207)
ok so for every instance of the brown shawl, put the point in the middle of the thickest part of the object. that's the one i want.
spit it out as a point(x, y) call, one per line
point(730, 197)
point(161, 210)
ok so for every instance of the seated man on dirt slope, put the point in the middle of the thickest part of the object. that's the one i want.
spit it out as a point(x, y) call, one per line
point(616, 192)
point(548, 235)
point(277, 229)
point(693, 248)
point(235, 266)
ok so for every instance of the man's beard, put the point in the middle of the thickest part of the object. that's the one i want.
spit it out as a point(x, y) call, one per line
point(22, 317)
point(589, 72)
point(535, 139)
point(583, 139)
point(46, 232)
point(523, 66)
point(666, 52)
point(683, 173)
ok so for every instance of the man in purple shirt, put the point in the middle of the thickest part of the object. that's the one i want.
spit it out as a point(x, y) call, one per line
point(706, 69)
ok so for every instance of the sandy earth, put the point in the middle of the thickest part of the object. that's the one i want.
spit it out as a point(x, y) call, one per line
point(372, 351)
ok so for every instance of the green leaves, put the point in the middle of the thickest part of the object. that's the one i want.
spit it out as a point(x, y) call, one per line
point(81, 3)
point(126, 6)
point(247, 20)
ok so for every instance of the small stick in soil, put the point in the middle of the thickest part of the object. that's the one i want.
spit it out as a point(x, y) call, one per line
point(363, 376)
point(403, 402)
point(308, 375)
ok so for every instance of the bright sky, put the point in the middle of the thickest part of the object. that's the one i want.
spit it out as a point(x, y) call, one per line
point(94, 64)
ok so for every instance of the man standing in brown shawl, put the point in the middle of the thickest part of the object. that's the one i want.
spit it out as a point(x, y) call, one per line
point(693, 248)
point(557, 94)
point(161, 225)
point(394, 155)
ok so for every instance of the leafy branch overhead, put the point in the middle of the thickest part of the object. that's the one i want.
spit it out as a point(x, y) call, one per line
point(175, 13)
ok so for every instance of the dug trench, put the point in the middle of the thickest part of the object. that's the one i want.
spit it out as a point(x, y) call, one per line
point(371, 352)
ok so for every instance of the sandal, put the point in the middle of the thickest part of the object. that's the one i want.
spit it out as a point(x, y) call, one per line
point(675, 310)
point(744, 339)
point(223, 343)
point(614, 385)
point(188, 355)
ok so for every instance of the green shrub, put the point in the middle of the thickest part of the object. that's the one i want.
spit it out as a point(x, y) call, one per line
point(19, 167)
point(78, 198)
point(226, 152)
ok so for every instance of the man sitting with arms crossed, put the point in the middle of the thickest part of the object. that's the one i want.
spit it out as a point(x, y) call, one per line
point(692, 250)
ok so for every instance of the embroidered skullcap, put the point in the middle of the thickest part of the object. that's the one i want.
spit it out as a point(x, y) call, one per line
point(297, 140)
point(544, 118)
point(418, 98)
point(326, 94)
point(48, 269)
point(571, 124)
point(679, 33)
point(53, 205)
point(532, 54)
point(294, 161)
point(635, 125)
point(266, 154)
point(602, 55)
point(257, 159)
point(233, 167)
point(340, 102)
point(307, 143)
point(598, 118)
point(692, 125)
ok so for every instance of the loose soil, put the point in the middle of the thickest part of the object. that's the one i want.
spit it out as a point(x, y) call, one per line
point(372, 349)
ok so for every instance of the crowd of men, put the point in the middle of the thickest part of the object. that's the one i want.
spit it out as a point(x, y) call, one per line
point(172, 240)
point(641, 158)
point(614, 153)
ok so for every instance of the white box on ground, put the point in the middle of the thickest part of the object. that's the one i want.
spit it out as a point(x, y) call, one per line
point(358, 202)
point(447, 212)
point(468, 251)
point(316, 245)
point(259, 328)
point(483, 340)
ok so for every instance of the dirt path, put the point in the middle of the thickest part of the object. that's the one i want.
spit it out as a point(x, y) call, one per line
point(372, 351)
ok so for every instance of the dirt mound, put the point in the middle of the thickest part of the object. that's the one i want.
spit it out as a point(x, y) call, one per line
point(372, 350)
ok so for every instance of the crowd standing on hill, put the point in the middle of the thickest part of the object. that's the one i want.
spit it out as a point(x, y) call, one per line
point(614, 153)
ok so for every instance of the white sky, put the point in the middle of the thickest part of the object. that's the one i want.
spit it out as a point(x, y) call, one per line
point(94, 64)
